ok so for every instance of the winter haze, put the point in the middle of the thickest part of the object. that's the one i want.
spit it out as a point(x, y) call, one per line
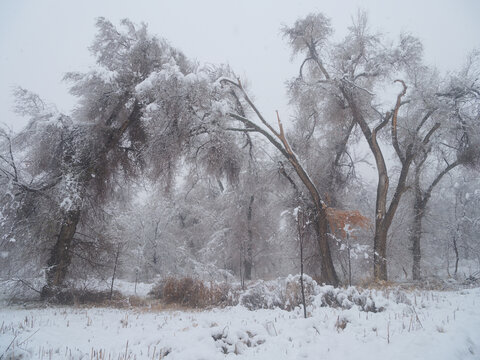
point(253, 180)
point(42, 40)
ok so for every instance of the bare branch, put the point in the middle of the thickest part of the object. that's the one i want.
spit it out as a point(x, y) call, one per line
point(439, 177)
point(357, 86)
point(252, 105)
point(430, 133)
point(252, 125)
point(396, 146)
point(383, 123)
point(424, 119)
point(241, 130)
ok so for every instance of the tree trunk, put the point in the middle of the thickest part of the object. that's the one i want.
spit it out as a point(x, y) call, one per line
point(61, 255)
point(335, 179)
point(349, 249)
point(329, 275)
point(416, 249)
point(248, 261)
point(455, 235)
point(301, 237)
point(418, 212)
point(115, 272)
point(380, 254)
point(381, 223)
point(457, 257)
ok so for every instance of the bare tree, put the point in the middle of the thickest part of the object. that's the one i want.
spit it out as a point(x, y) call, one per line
point(348, 72)
point(456, 146)
point(279, 141)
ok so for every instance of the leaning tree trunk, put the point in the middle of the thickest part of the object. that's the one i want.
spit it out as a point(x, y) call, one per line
point(61, 254)
point(328, 270)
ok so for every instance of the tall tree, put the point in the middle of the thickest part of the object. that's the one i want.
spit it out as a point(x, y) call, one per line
point(84, 153)
point(349, 73)
point(279, 140)
point(457, 145)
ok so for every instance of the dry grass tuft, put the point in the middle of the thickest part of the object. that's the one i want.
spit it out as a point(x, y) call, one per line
point(191, 292)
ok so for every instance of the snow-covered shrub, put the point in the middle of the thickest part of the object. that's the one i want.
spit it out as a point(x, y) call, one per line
point(346, 298)
point(262, 295)
point(284, 293)
point(401, 297)
point(293, 291)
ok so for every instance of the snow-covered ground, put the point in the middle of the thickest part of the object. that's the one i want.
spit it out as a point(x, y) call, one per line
point(414, 325)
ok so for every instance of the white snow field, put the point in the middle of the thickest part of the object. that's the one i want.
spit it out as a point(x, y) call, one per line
point(414, 324)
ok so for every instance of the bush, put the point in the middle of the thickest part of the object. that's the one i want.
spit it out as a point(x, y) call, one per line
point(293, 291)
point(282, 293)
point(346, 298)
point(191, 292)
point(261, 295)
point(85, 297)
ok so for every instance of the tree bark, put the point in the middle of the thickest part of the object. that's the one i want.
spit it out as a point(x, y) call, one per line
point(301, 237)
point(457, 257)
point(380, 253)
point(61, 255)
point(328, 273)
point(381, 220)
point(418, 212)
point(334, 179)
point(115, 272)
point(248, 261)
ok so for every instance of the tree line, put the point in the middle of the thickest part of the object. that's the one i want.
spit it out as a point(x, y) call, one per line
point(171, 163)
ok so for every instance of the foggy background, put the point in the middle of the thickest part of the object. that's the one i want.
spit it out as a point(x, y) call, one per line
point(42, 40)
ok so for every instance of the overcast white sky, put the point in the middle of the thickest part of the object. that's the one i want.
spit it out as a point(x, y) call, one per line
point(41, 40)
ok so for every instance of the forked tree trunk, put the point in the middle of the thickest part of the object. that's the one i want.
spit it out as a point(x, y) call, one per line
point(419, 211)
point(384, 211)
